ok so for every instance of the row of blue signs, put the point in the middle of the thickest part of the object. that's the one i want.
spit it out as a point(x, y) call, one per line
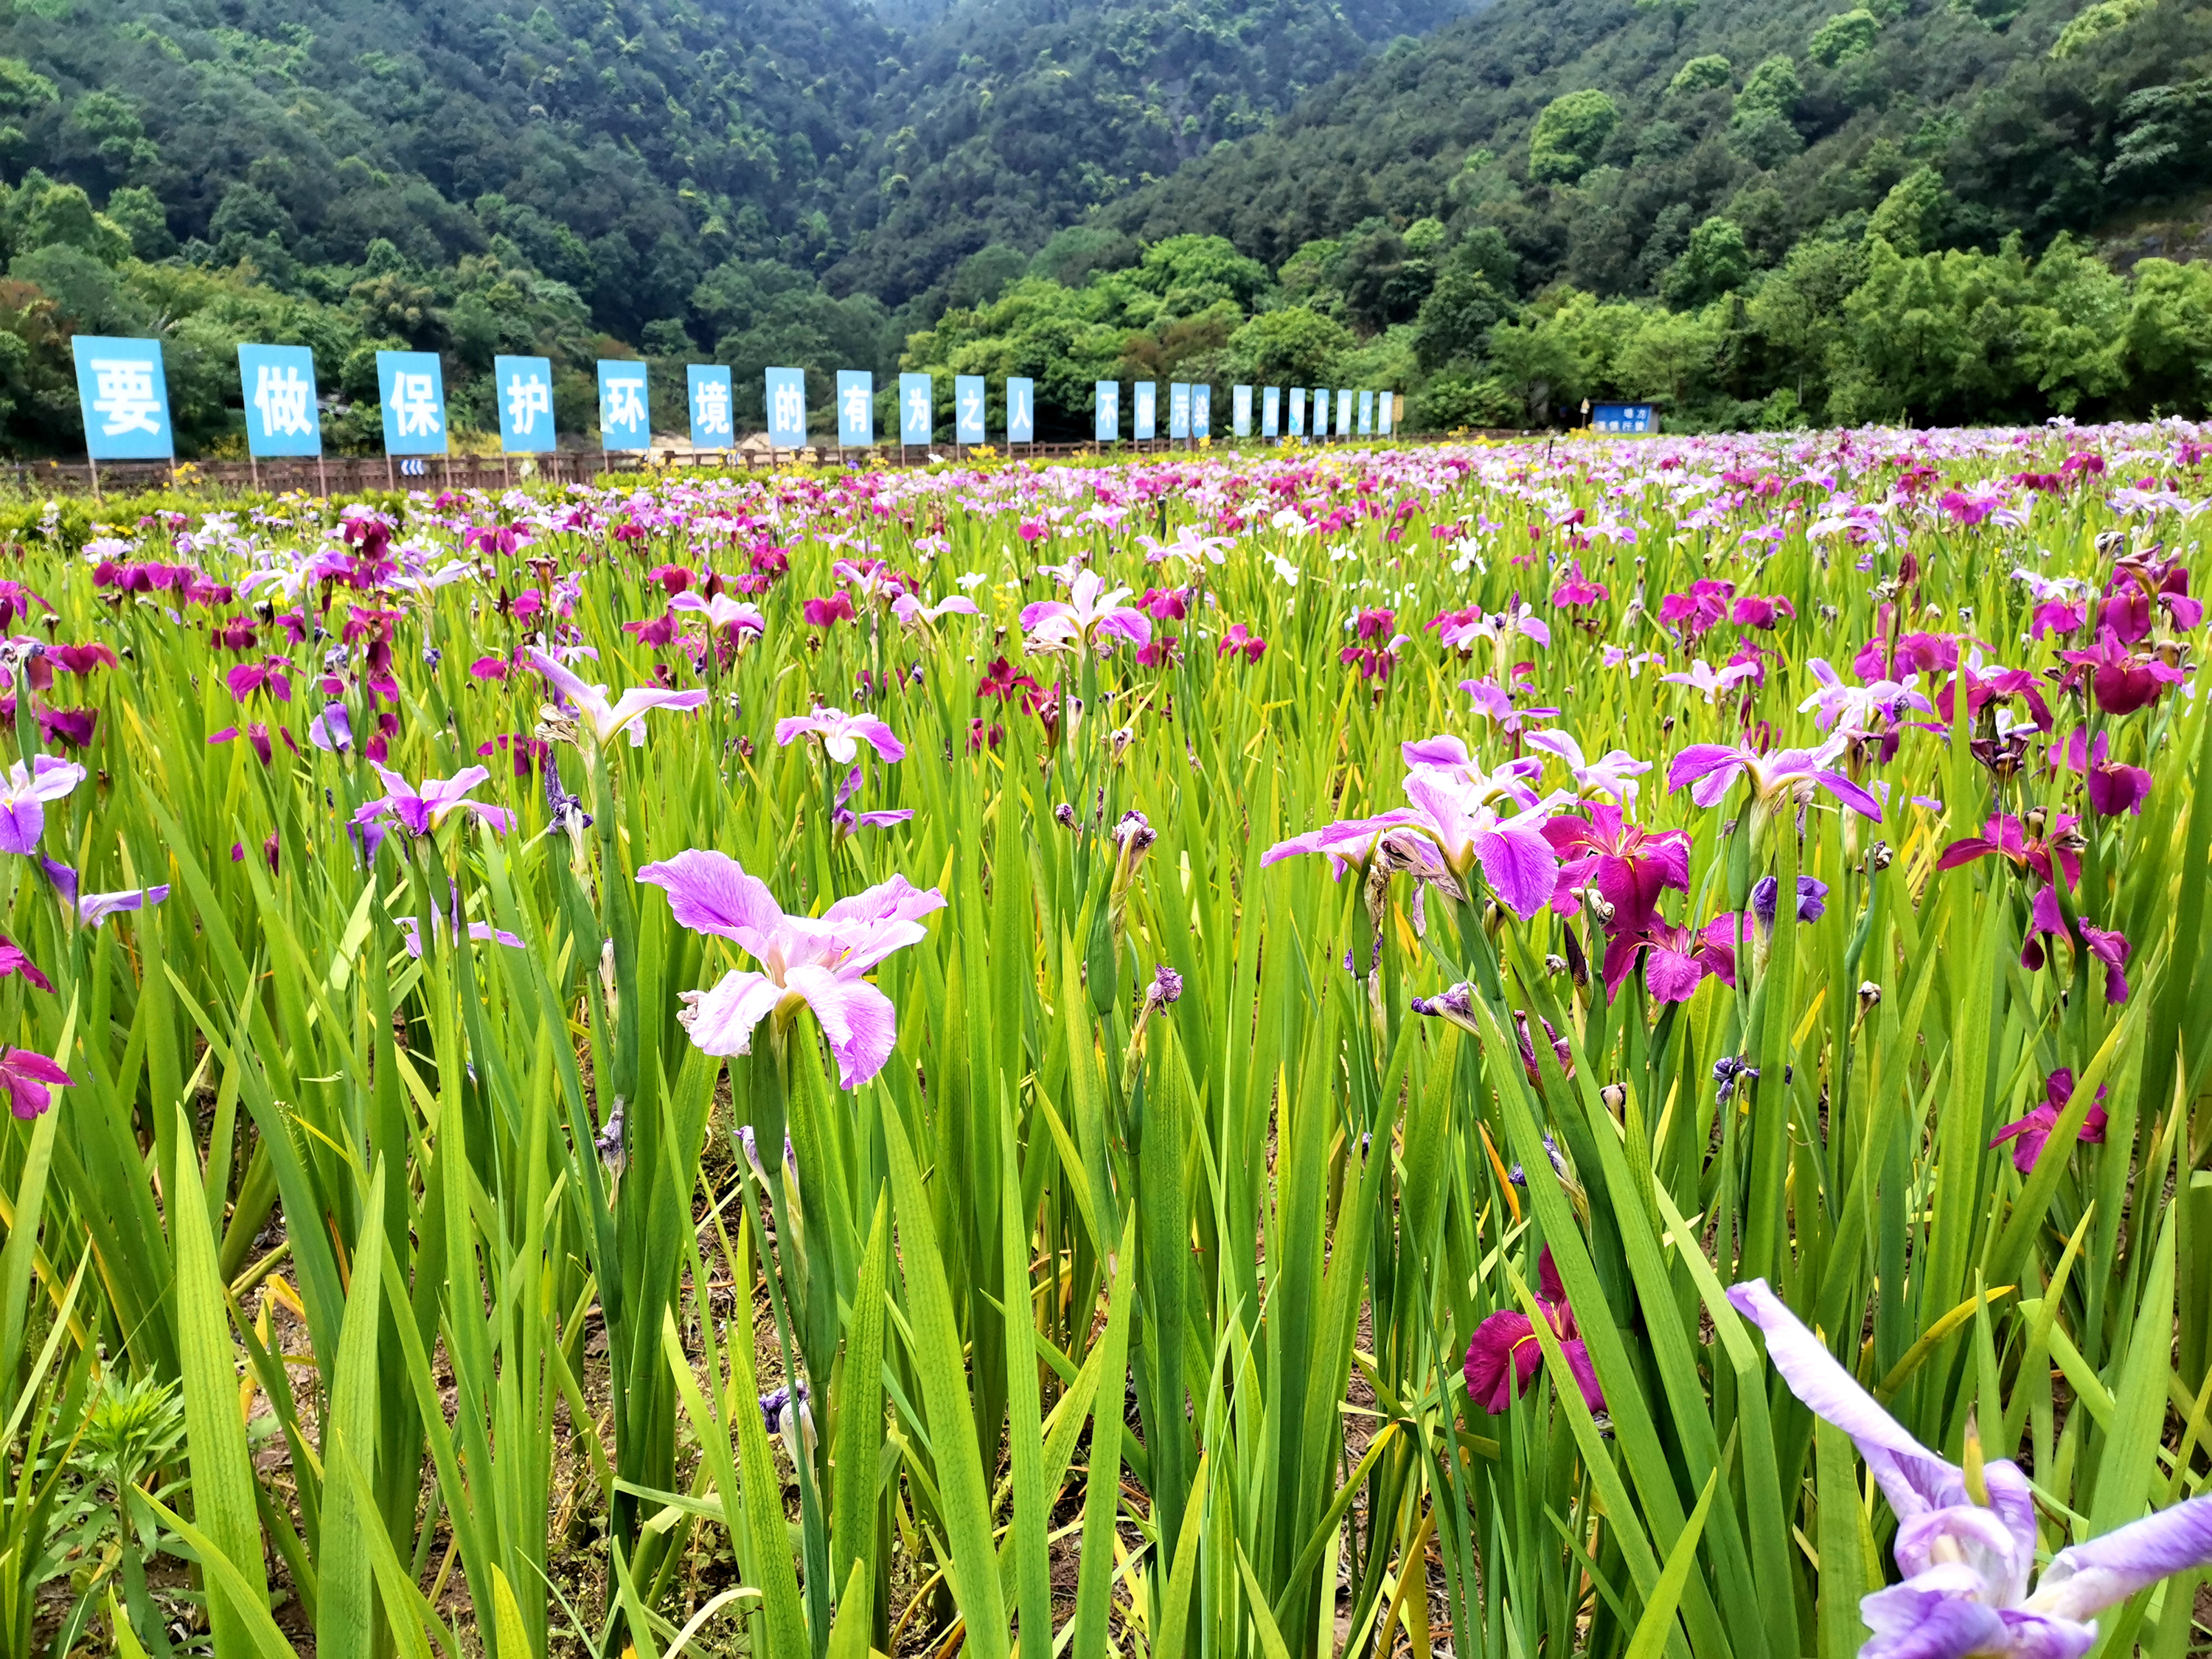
point(125, 399)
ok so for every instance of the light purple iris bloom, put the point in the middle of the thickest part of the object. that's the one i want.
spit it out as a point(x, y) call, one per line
point(442, 928)
point(332, 729)
point(91, 909)
point(1091, 617)
point(842, 734)
point(420, 812)
point(917, 613)
point(1967, 1564)
point(23, 799)
point(1453, 821)
point(1713, 768)
point(722, 612)
point(609, 718)
point(817, 961)
point(1613, 773)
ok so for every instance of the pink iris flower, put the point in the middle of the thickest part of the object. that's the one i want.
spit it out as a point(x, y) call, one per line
point(24, 795)
point(2123, 682)
point(1677, 958)
point(815, 962)
point(842, 734)
point(1613, 773)
point(2112, 789)
point(1089, 617)
point(1504, 1357)
point(1240, 638)
point(609, 718)
point(1968, 1554)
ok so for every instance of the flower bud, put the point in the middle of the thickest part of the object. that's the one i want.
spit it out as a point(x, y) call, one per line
point(1614, 1096)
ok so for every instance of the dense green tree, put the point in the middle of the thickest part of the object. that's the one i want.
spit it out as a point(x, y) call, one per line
point(1565, 144)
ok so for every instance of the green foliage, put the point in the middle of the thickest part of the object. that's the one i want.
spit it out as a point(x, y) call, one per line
point(1715, 261)
point(1708, 73)
point(1569, 134)
point(1850, 34)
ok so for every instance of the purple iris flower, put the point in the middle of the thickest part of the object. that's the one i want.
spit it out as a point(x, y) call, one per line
point(1767, 895)
point(90, 909)
point(420, 812)
point(1967, 1555)
point(1712, 768)
point(842, 734)
point(816, 961)
point(23, 798)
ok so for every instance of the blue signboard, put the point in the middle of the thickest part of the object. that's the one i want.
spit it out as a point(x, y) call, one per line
point(1366, 414)
point(625, 417)
point(1344, 414)
point(1271, 412)
point(856, 409)
point(1147, 400)
point(1622, 417)
point(1385, 411)
point(125, 397)
point(280, 417)
point(1201, 411)
point(968, 409)
point(411, 388)
point(786, 392)
point(707, 386)
point(1240, 410)
point(1178, 409)
point(1107, 429)
point(915, 413)
point(523, 387)
point(1021, 411)
point(1298, 411)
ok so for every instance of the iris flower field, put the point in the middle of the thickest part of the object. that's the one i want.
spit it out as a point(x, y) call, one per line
point(1570, 1048)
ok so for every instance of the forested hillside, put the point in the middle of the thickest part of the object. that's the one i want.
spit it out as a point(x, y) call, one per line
point(1749, 213)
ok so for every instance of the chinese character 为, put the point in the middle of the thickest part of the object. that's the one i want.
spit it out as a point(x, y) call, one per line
point(917, 407)
point(856, 407)
point(625, 403)
point(282, 398)
point(790, 414)
point(526, 401)
point(414, 404)
point(711, 406)
point(123, 393)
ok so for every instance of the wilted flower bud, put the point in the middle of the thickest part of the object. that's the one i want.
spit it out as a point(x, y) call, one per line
point(1064, 816)
point(608, 1142)
point(1167, 986)
point(1869, 995)
point(1879, 856)
point(1601, 909)
point(1555, 965)
point(1614, 1096)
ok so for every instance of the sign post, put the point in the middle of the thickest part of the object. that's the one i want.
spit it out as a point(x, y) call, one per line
point(1240, 410)
point(785, 390)
point(281, 415)
point(525, 394)
point(124, 398)
point(1021, 413)
point(411, 389)
point(1271, 412)
point(967, 412)
point(1201, 411)
point(707, 385)
point(1107, 427)
point(1298, 411)
point(917, 412)
point(625, 416)
point(856, 410)
point(1147, 405)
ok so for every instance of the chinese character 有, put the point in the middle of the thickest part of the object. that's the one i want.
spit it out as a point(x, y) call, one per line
point(123, 394)
point(856, 407)
point(282, 397)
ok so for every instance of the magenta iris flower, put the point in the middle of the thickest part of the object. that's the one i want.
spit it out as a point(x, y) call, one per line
point(842, 734)
point(29, 1080)
point(2112, 789)
point(2122, 681)
point(13, 961)
point(420, 812)
point(2031, 1134)
point(24, 796)
point(1712, 768)
point(609, 718)
point(1628, 864)
point(1677, 958)
point(1504, 1357)
point(1968, 1562)
point(815, 962)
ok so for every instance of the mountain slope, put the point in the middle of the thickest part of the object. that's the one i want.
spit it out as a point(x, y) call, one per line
point(1787, 115)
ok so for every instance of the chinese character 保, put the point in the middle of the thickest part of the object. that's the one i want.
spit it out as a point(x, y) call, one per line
point(713, 399)
point(123, 394)
point(527, 400)
point(415, 402)
point(282, 397)
point(625, 403)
